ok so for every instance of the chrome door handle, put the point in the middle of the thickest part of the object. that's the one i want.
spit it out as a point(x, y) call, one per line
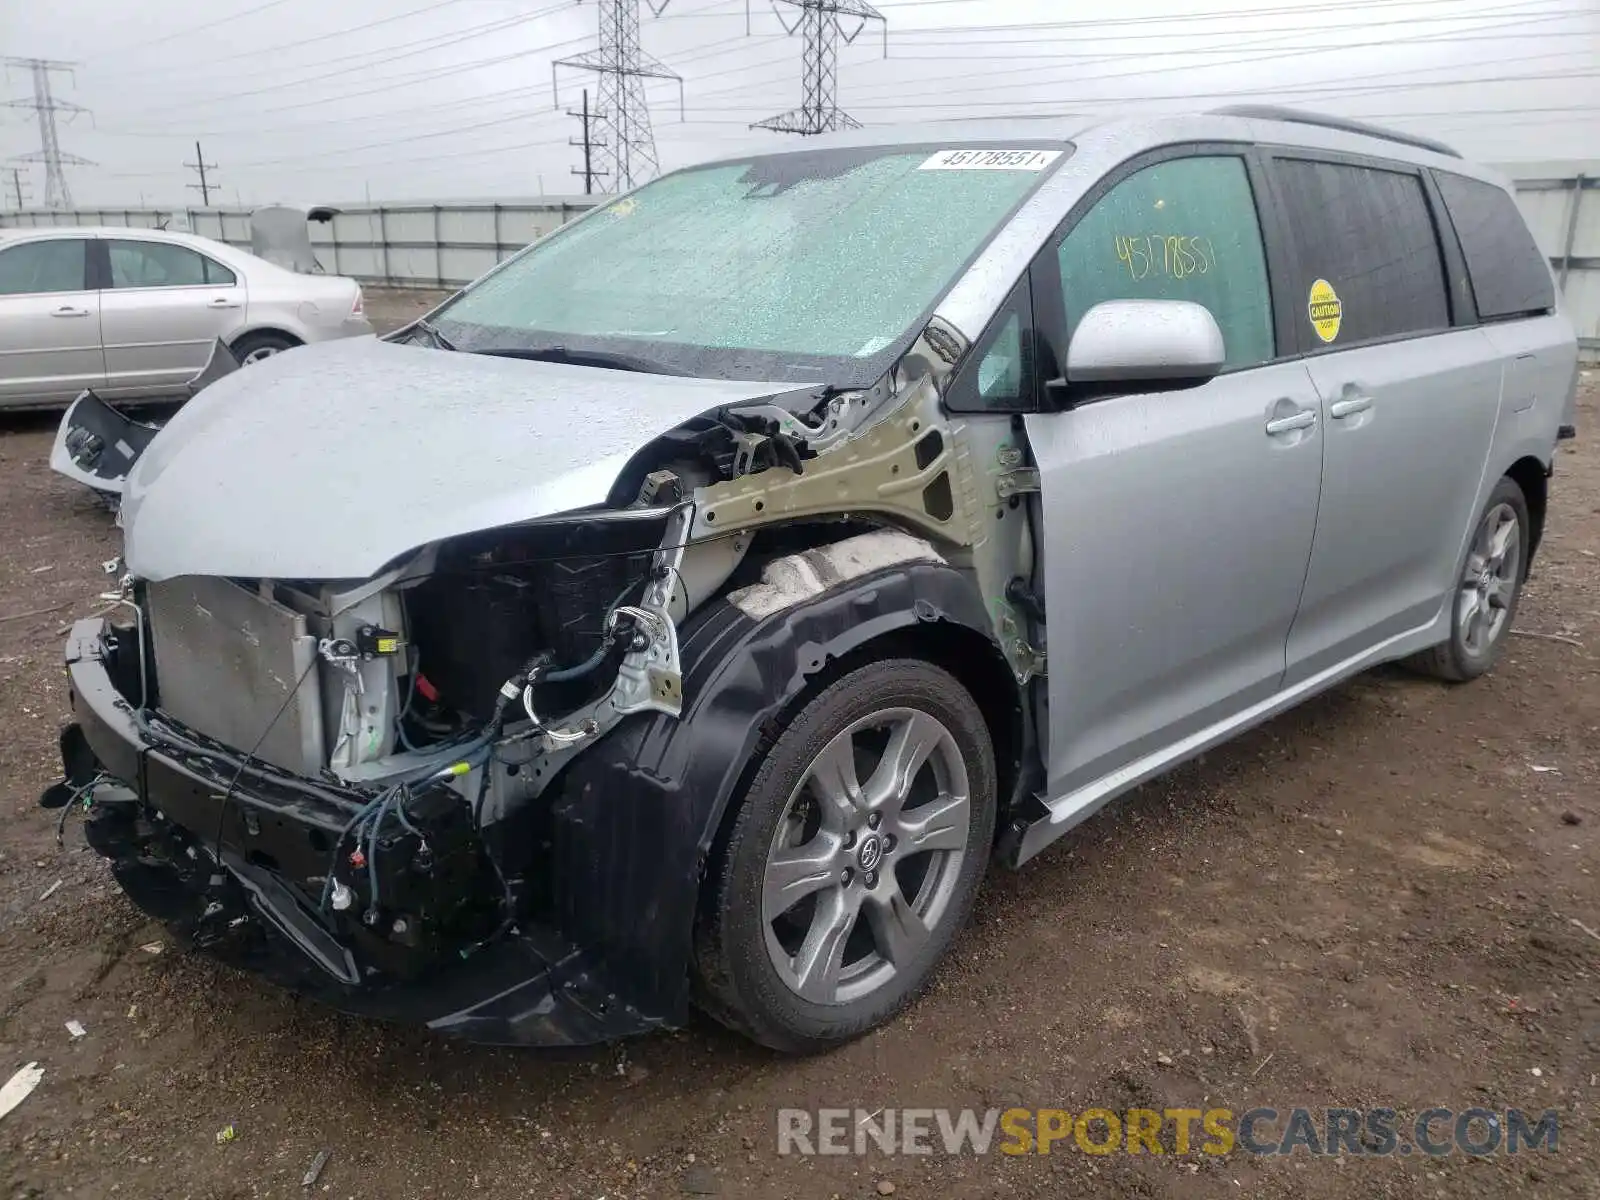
point(66, 310)
point(1340, 409)
point(224, 302)
point(1303, 419)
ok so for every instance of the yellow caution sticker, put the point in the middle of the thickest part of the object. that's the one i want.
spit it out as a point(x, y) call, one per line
point(1325, 310)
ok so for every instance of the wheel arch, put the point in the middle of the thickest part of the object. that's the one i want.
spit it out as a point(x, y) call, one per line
point(971, 657)
point(1533, 477)
point(635, 819)
point(276, 330)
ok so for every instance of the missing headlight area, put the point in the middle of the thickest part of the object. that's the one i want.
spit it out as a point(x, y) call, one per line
point(417, 663)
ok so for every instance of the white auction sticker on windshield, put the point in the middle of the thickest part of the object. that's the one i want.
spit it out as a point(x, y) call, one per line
point(991, 160)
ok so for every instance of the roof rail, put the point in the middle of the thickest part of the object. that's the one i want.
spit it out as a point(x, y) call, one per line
point(1272, 112)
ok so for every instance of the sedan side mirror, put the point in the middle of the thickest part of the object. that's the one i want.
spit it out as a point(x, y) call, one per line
point(1152, 344)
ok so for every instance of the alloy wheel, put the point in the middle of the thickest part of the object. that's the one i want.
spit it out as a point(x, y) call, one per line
point(1490, 580)
point(867, 856)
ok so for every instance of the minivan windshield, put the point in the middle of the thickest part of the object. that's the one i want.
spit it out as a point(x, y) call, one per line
point(815, 265)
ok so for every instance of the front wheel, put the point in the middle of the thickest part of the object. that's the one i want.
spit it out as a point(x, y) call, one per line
point(853, 861)
point(1488, 590)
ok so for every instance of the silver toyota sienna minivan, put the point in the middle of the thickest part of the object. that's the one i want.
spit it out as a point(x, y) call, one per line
point(691, 610)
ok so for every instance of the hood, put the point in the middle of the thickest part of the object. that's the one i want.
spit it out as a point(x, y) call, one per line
point(331, 460)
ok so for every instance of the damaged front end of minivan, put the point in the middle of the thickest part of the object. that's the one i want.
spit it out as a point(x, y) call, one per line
point(456, 750)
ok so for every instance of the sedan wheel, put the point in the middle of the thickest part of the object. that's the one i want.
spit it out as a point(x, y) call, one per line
point(261, 345)
point(852, 861)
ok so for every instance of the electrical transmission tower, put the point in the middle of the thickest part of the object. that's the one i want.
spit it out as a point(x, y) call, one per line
point(18, 187)
point(629, 148)
point(821, 22)
point(204, 186)
point(56, 192)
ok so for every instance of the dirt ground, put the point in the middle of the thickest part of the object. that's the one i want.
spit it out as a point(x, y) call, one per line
point(1373, 900)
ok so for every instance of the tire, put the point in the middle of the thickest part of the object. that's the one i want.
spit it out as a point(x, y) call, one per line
point(781, 884)
point(253, 347)
point(1487, 591)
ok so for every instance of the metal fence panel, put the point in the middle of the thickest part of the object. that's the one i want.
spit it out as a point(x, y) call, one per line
point(419, 245)
point(1564, 214)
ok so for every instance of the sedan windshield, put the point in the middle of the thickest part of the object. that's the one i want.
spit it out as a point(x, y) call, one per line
point(818, 265)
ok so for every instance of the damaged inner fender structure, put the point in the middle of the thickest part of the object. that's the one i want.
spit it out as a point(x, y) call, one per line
point(478, 788)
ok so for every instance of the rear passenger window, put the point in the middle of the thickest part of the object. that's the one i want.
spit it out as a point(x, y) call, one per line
point(1179, 230)
point(155, 264)
point(1510, 276)
point(1368, 263)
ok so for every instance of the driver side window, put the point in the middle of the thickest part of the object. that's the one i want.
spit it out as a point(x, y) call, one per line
point(1185, 229)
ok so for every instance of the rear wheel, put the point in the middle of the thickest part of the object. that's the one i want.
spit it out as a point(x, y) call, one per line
point(853, 861)
point(253, 347)
point(1488, 590)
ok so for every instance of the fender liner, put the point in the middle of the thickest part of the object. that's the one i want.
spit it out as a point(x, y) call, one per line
point(634, 818)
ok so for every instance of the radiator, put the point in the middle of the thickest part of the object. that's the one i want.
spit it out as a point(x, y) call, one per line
point(239, 668)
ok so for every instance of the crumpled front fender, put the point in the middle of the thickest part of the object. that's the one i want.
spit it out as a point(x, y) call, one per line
point(635, 817)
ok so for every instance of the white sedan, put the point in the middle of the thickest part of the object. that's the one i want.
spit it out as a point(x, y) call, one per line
point(134, 313)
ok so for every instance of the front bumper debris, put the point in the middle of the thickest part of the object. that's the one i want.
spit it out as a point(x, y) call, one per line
point(526, 986)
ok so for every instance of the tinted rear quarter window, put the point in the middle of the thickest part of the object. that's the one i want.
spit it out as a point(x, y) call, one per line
point(1367, 236)
point(1509, 274)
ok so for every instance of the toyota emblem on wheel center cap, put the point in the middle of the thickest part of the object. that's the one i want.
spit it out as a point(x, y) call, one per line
point(871, 852)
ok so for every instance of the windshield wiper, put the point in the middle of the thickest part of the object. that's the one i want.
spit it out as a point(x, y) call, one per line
point(582, 358)
point(424, 326)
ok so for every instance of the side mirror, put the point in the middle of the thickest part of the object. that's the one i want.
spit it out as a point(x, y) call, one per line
point(1154, 343)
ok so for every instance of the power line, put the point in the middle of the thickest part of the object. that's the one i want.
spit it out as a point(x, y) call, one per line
point(709, 52)
point(379, 54)
point(56, 192)
point(1335, 91)
point(228, 20)
point(385, 85)
point(291, 84)
point(452, 131)
point(1487, 33)
point(819, 110)
point(1271, 43)
point(201, 165)
point(268, 52)
point(622, 67)
point(1175, 18)
point(1099, 23)
point(409, 112)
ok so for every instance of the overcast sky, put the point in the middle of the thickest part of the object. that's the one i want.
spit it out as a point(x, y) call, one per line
point(432, 99)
